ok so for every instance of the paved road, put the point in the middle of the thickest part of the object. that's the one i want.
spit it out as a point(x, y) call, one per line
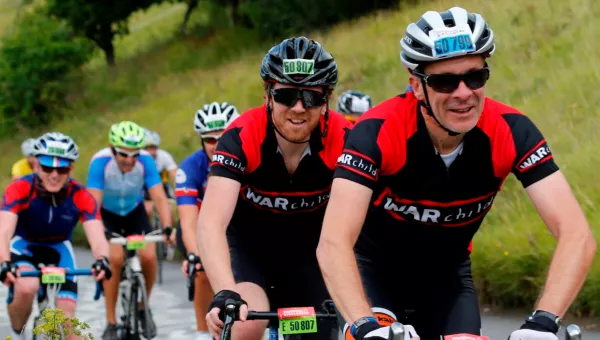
point(174, 315)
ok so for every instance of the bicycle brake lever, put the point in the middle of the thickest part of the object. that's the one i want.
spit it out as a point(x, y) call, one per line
point(572, 332)
point(396, 331)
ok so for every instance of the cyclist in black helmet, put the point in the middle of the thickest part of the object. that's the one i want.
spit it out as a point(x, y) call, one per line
point(352, 104)
point(270, 177)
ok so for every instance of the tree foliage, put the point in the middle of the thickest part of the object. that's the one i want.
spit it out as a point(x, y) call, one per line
point(34, 62)
point(99, 21)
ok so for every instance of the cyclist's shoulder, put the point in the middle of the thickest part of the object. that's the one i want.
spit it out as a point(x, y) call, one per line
point(162, 153)
point(21, 186)
point(102, 156)
point(21, 168)
point(195, 158)
point(497, 118)
point(252, 120)
point(400, 109)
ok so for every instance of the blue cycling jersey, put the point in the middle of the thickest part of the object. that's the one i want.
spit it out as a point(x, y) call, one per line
point(42, 220)
point(122, 192)
point(191, 179)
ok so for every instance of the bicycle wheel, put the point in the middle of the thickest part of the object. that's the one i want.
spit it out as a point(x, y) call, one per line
point(146, 332)
point(131, 330)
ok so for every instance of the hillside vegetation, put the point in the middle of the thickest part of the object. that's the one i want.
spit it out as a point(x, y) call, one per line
point(545, 65)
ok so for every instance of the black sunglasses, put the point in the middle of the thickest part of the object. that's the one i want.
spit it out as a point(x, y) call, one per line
point(448, 82)
point(289, 97)
point(61, 171)
point(211, 140)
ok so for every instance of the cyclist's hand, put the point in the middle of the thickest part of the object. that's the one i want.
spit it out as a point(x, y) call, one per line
point(8, 273)
point(169, 235)
point(374, 331)
point(216, 314)
point(533, 329)
point(191, 257)
point(530, 334)
point(101, 269)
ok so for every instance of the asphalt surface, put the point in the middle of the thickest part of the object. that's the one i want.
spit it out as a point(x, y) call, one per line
point(174, 315)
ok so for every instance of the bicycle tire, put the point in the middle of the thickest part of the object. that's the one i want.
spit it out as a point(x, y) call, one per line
point(141, 285)
point(131, 320)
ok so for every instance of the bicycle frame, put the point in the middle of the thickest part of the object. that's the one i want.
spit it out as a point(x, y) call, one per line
point(133, 283)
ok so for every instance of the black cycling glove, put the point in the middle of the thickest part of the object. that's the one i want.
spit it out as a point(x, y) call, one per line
point(5, 268)
point(219, 301)
point(193, 260)
point(167, 231)
point(102, 264)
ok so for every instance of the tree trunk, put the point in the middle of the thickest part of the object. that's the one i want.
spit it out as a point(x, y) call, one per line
point(192, 4)
point(109, 53)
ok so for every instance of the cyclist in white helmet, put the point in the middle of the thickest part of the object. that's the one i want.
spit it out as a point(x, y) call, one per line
point(352, 104)
point(420, 171)
point(25, 166)
point(37, 216)
point(209, 123)
point(166, 166)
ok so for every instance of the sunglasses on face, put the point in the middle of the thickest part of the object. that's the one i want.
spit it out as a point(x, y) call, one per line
point(60, 171)
point(212, 140)
point(448, 82)
point(125, 154)
point(290, 96)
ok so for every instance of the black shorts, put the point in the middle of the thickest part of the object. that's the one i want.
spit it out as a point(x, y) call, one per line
point(168, 191)
point(287, 284)
point(60, 254)
point(136, 222)
point(433, 302)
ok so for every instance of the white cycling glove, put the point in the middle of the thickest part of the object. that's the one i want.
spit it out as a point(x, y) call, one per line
point(529, 334)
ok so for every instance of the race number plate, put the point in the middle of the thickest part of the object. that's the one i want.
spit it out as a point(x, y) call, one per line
point(449, 41)
point(298, 66)
point(53, 275)
point(465, 336)
point(136, 242)
point(297, 320)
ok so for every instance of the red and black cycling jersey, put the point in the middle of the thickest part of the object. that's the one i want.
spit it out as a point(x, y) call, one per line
point(273, 207)
point(421, 208)
point(42, 220)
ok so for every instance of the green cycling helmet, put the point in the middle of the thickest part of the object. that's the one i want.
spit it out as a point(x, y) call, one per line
point(126, 134)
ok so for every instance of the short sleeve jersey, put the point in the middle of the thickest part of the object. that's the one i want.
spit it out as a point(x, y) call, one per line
point(274, 208)
point(421, 206)
point(39, 220)
point(164, 164)
point(122, 192)
point(191, 178)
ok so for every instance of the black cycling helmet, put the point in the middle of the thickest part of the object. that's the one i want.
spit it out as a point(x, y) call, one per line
point(301, 62)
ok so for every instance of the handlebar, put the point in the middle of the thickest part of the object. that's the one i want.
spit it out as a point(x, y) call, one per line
point(155, 236)
point(572, 332)
point(73, 272)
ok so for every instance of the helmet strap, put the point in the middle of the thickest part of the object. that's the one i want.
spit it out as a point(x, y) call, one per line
point(429, 111)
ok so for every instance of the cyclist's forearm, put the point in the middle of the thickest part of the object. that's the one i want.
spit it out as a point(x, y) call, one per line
point(188, 216)
point(570, 264)
point(214, 253)
point(341, 275)
point(94, 231)
point(8, 224)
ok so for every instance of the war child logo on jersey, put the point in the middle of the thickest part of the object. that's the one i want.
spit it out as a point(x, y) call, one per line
point(285, 202)
point(539, 154)
point(445, 214)
point(358, 164)
point(229, 161)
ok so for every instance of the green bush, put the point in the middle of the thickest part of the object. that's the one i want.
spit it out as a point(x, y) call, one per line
point(275, 18)
point(51, 321)
point(34, 62)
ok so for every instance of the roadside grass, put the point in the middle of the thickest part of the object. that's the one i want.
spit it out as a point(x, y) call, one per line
point(545, 65)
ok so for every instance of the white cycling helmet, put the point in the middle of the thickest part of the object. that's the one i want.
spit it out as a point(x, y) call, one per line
point(427, 40)
point(55, 149)
point(28, 147)
point(151, 138)
point(214, 117)
point(353, 102)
